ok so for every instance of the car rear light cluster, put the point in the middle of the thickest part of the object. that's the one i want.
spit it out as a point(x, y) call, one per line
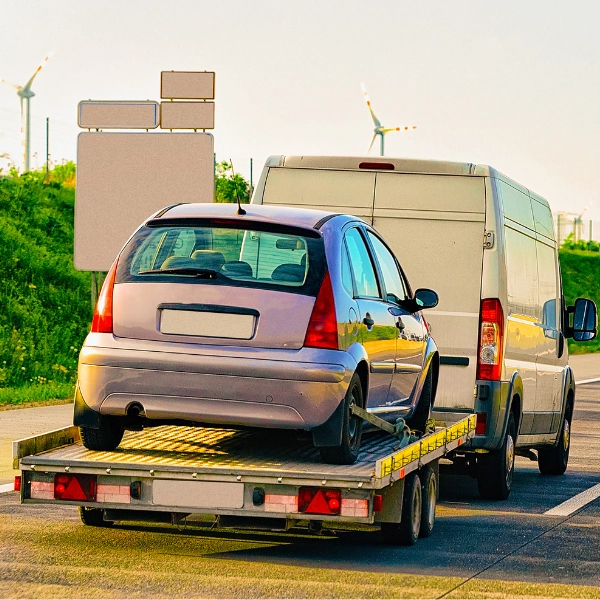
point(322, 330)
point(319, 501)
point(491, 340)
point(103, 314)
point(75, 487)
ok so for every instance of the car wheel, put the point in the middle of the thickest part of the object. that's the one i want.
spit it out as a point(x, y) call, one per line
point(495, 470)
point(107, 437)
point(553, 461)
point(406, 533)
point(429, 493)
point(93, 517)
point(418, 421)
point(347, 452)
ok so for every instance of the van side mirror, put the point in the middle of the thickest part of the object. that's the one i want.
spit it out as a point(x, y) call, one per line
point(585, 320)
point(425, 298)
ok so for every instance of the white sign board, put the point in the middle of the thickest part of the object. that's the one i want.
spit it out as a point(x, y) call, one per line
point(124, 178)
point(187, 85)
point(187, 115)
point(117, 114)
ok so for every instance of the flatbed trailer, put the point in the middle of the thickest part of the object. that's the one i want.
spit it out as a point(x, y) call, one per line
point(244, 480)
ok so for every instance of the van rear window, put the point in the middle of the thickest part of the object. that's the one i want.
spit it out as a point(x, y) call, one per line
point(264, 257)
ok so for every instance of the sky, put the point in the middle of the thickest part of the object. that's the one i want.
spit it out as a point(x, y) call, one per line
point(513, 84)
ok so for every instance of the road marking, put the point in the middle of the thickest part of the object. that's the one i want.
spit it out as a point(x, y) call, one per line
point(581, 381)
point(7, 487)
point(575, 503)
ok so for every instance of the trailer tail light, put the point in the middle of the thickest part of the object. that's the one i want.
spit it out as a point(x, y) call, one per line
point(491, 340)
point(319, 501)
point(75, 487)
point(322, 330)
point(377, 503)
point(17, 483)
point(481, 427)
point(103, 313)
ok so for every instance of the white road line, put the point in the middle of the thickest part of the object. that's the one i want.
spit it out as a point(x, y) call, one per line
point(575, 503)
point(7, 487)
point(595, 380)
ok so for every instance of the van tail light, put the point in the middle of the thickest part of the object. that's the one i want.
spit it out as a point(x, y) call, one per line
point(103, 314)
point(319, 501)
point(75, 487)
point(491, 340)
point(322, 331)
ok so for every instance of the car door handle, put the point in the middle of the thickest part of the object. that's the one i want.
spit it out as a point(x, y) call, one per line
point(368, 321)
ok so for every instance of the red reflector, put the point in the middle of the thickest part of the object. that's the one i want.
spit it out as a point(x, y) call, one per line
point(319, 501)
point(481, 426)
point(376, 165)
point(322, 330)
point(103, 313)
point(377, 503)
point(75, 487)
point(17, 483)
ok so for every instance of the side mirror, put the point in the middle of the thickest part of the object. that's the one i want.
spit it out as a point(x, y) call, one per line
point(425, 298)
point(585, 320)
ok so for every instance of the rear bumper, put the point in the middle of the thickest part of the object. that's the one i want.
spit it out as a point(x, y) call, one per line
point(241, 386)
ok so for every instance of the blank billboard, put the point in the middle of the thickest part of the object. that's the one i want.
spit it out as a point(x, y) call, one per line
point(117, 114)
point(124, 178)
point(187, 115)
point(187, 85)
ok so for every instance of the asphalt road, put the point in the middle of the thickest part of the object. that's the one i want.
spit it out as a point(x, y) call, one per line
point(473, 541)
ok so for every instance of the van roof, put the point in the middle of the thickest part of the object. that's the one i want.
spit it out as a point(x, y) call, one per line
point(403, 165)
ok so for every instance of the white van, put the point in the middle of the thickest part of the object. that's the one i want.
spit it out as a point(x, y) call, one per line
point(486, 244)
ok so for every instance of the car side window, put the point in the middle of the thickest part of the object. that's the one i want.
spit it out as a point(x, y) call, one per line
point(394, 286)
point(346, 274)
point(361, 265)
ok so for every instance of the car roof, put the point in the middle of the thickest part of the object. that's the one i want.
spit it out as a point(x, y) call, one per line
point(288, 215)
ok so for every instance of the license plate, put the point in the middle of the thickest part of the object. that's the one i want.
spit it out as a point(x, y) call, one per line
point(207, 324)
point(197, 494)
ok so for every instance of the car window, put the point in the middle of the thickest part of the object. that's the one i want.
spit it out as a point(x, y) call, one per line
point(392, 280)
point(361, 266)
point(346, 274)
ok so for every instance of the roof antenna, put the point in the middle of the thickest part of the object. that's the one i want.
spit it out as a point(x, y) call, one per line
point(240, 210)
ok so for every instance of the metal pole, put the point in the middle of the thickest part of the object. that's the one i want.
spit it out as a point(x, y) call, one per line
point(591, 230)
point(251, 186)
point(382, 138)
point(27, 136)
point(47, 148)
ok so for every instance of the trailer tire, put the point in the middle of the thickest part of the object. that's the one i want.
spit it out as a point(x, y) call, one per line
point(406, 533)
point(106, 438)
point(554, 461)
point(94, 517)
point(418, 421)
point(429, 492)
point(495, 470)
point(347, 452)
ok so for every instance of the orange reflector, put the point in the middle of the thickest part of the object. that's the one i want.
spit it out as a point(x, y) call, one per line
point(75, 487)
point(17, 483)
point(319, 501)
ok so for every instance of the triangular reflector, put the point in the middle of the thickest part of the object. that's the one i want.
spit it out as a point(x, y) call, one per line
point(74, 491)
point(319, 505)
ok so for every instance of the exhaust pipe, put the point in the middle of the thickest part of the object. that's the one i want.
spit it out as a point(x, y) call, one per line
point(135, 410)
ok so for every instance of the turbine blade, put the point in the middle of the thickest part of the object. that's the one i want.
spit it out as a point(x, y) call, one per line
point(388, 129)
point(27, 86)
point(376, 121)
point(13, 85)
point(372, 142)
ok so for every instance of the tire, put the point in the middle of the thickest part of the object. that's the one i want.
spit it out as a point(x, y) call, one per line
point(495, 470)
point(94, 517)
point(106, 438)
point(429, 492)
point(554, 461)
point(422, 412)
point(406, 533)
point(347, 452)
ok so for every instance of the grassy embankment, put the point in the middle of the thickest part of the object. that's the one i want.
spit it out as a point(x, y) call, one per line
point(45, 308)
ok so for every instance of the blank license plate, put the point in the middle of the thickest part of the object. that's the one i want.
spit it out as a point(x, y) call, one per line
point(197, 494)
point(207, 324)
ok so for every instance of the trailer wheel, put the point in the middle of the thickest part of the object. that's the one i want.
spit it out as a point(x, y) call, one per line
point(406, 533)
point(93, 517)
point(553, 461)
point(429, 485)
point(106, 438)
point(495, 469)
point(418, 421)
point(347, 452)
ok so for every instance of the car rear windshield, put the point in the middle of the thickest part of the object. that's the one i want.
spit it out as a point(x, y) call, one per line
point(256, 255)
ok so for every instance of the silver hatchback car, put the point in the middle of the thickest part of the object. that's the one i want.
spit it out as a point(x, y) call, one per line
point(278, 318)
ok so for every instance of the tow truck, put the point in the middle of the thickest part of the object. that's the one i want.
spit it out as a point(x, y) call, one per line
point(240, 479)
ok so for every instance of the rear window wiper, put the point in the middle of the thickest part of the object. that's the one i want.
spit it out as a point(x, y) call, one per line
point(191, 271)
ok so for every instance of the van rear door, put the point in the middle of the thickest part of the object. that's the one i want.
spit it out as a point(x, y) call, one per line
point(435, 225)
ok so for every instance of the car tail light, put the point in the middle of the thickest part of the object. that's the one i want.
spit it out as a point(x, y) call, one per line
point(75, 487)
point(491, 340)
point(319, 501)
point(322, 331)
point(17, 483)
point(103, 314)
point(481, 427)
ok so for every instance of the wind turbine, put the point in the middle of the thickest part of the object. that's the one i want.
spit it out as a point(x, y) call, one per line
point(379, 129)
point(25, 94)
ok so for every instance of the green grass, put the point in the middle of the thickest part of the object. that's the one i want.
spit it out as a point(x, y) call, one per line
point(36, 392)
